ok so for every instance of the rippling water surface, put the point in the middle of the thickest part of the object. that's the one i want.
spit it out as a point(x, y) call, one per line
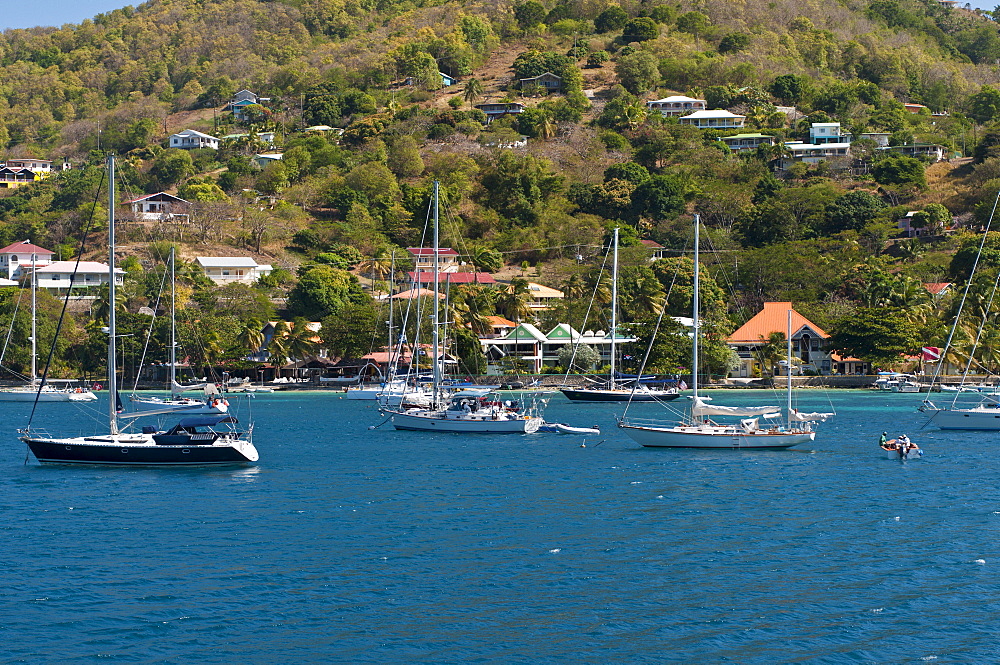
point(353, 545)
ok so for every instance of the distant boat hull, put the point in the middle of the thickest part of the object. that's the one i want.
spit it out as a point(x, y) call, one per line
point(569, 429)
point(976, 418)
point(182, 405)
point(713, 436)
point(422, 420)
point(138, 450)
point(28, 395)
point(607, 395)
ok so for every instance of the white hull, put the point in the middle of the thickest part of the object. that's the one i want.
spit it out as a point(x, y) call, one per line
point(568, 429)
point(713, 436)
point(979, 417)
point(915, 453)
point(438, 421)
point(182, 405)
point(28, 395)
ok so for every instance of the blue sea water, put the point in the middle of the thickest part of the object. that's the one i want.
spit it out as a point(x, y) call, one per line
point(352, 545)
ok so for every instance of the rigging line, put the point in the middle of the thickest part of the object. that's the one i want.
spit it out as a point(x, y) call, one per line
point(149, 335)
point(652, 340)
point(586, 316)
point(13, 318)
point(69, 291)
point(961, 306)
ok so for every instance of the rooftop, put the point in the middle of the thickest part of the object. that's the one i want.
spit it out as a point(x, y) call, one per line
point(773, 318)
point(25, 247)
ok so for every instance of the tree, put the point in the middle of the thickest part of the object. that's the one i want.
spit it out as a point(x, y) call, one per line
point(170, 167)
point(322, 290)
point(788, 88)
point(661, 197)
point(638, 72)
point(251, 337)
point(877, 334)
point(404, 157)
point(529, 14)
point(898, 169)
point(473, 90)
point(734, 41)
point(693, 23)
point(640, 29)
point(578, 357)
point(597, 58)
point(612, 18)
point(984, 106)
point(852, 211)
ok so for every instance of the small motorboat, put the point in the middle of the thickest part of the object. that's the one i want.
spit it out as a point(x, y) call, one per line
point(569, 429)
point(894, 449)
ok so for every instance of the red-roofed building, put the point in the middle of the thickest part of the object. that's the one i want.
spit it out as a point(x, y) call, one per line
point(445, 278)
point(658, 250)
point(937, 289)
point(807, 339)
point(16, 259)
point(500, 326)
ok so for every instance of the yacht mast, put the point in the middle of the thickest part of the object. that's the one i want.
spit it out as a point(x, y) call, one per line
point(788, 368)
point(112, 323)
point(694, 307)
point(614, 309)
point(173, 321)
point(435, 332)
point(34, 322)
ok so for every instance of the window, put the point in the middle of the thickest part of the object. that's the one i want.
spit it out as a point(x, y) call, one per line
point(13, 259)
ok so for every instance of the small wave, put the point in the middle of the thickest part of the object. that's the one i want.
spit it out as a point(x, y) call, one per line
point(877, 610)
point(555, 551)
point(636, 482)
point(981, 562)
point(659, 496)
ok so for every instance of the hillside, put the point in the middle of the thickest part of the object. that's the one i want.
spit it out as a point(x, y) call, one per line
point(907, 81)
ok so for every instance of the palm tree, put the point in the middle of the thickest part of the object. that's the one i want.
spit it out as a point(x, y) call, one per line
point(473, 90)
point(771, 350)
point(645, 296)
point(574, 288)
point(378, 267)
point(251, 337)
point(513, 301)
point(301, 341)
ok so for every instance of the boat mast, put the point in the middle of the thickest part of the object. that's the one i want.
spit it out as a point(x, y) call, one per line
point(392, 347)
point(788, 368)
point(694, 308)
point(614, 308)
point(34, 322)
point(112, 323)
point(173, 321)
point(435, 332)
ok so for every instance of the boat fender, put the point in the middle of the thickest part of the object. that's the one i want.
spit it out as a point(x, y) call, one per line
point(97, 386)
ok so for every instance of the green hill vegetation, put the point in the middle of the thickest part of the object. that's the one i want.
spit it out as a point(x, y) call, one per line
point(340, 206)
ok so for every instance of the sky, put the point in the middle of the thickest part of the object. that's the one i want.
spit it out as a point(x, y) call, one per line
point(58, 12)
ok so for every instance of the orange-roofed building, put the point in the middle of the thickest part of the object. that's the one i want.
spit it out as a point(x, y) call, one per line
point(807, 339)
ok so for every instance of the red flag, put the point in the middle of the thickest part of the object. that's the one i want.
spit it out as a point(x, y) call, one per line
point(931, 353)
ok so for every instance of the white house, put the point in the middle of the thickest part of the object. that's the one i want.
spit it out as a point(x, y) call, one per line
point(58, 275)
point(16, 259)
point(158, 207)
point(740, 142)
point(229, 269)
point(529, 345)
point(676, 105)
point(423, 259)
point(190, 139)
point(827, 132)
point(717, 119)
point(265, 158)
point(543, 297)
point(813, 154)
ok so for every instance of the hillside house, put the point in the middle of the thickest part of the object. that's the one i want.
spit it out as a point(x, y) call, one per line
point(717, 119)
point(657, 251)
point(229, 269)
point(494, 110)
point(448, 278)
point(915, 108)
point(838, 153)
point(543, 297)
point(807, 340)
point(742, 142)
point(18, 259)
point(264, 158)
point(676, 105)
point(423, 258)
point(529, 346)
point(821, 133)
point(59, 275)
point(158, 207)
point(191, 139)
point(548, 82)
point(931, 151)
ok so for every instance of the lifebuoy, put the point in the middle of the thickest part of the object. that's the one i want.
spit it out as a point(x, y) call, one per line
point(97, 386)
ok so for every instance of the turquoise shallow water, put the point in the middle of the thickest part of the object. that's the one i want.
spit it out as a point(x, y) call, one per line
point(354, 545)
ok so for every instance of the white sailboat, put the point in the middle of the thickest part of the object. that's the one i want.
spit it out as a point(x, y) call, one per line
point(698, 430)
point(482, 415)
point(211, 403)
point(615, 391)
point(32, 391)
point(194, 441)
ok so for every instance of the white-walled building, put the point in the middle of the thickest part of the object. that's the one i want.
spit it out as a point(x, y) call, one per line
point(16, 259)
point(676, 105)
point(58, 276)
point(229, 269)
point(190, 139)
point(716, 119)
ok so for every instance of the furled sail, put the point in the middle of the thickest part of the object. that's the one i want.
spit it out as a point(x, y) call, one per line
point(700, 408)
point(810, 417)
point(177, 389)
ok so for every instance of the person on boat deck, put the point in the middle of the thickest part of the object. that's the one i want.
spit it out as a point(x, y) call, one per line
point(904, 441)
point(882, 440)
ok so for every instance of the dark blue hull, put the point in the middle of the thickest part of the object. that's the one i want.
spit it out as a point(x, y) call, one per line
point(584, 395)
point(124, 454)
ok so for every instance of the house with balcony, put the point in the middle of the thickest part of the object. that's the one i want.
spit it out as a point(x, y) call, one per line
point(61, 276)
point(191, 139)
point(837, 153)
point(17, 260)
point(494, 110)
point(533, 348)
point(808, 340)
point(229, 269)
point(542, 297)
point(423, 258)
point(159, 207)
point(676, 105)
point(716, 119)
point(931, 151)
point(548, 82)
point(821, 133)
point(744, 142)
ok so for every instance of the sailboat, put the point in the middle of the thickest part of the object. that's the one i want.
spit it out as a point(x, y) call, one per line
point(697, 430)
point(446, 414)
point(194, 441)
point(614, 390)
point(212, 403)
point(35, 390)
